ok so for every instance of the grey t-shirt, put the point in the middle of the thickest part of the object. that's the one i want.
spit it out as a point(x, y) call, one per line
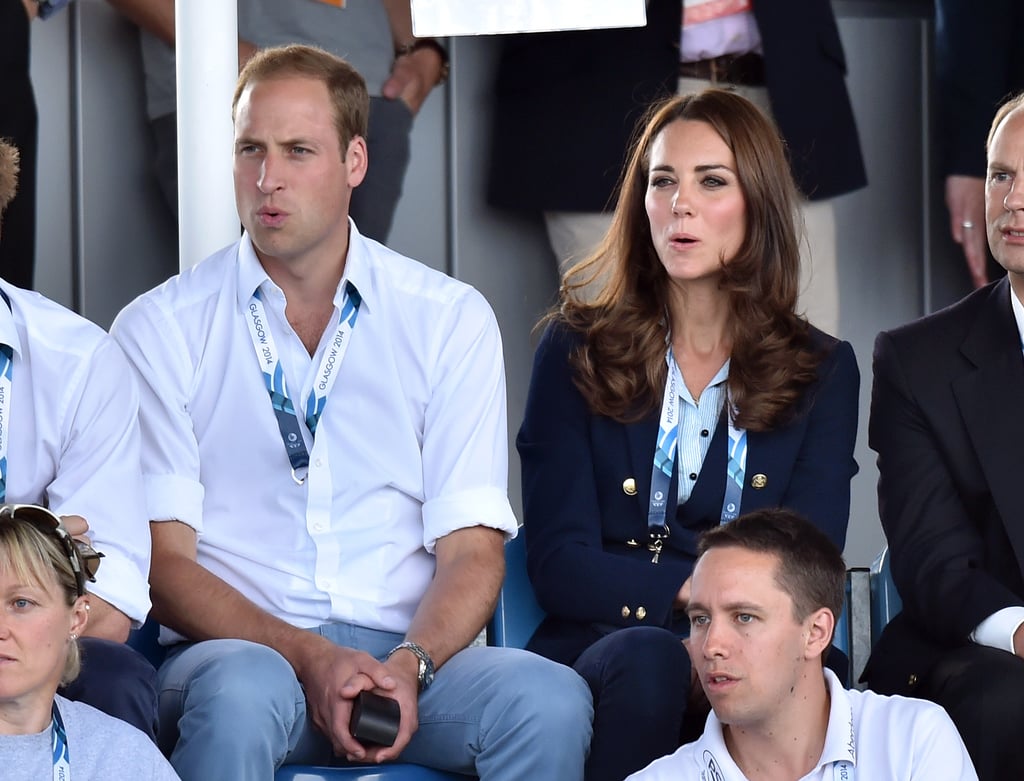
point(359, 32)
point(100, 748)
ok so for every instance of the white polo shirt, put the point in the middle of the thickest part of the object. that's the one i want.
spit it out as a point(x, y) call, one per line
point(412, 443)
point(869, 738)
point(74, 437)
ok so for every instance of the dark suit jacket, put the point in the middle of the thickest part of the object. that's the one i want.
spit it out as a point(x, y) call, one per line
point(578, 518)
point(945, 422)
point(979, 62)
point(566, 104)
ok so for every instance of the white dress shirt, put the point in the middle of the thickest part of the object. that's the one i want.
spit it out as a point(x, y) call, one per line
point(74, 438)
point(869, 738)
point(998, 629)
point(411, 446)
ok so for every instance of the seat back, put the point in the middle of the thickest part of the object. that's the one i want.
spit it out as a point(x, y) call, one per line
point(885, 599)
point(517, 614)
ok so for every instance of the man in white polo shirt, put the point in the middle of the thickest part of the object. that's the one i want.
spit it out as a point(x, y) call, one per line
point(766, 591)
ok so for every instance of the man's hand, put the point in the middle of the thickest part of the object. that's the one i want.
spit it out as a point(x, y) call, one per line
point(31, 8)
point(245, 52)
point(332, 676)
point(413, 75)
point(965, 199)
point(77, 526)
point(1018, 641)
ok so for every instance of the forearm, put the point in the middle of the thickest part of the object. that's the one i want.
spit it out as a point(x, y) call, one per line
point(462, 595)
point(194, 602)
point(106, 621)
point(400, 20)
point(154, 16)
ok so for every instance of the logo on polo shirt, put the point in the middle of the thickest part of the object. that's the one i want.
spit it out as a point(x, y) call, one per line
point(712, 771)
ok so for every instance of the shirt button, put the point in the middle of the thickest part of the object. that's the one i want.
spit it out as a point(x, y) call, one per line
point(693, 475)
point(318, 463)
point(318, 527)
point(704, 433)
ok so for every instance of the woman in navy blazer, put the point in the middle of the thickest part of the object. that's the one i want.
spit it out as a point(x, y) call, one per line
point(692, 348)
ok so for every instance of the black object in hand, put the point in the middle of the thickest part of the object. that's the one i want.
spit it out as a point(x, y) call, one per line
point(375, 719)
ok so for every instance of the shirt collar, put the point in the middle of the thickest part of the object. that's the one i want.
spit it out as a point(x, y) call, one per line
point(840, 740)
point(252, 275)
point(1018, 313)
point(8, 326)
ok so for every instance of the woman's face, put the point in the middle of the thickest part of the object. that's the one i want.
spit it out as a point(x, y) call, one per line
point(36, 625)
point(694, 202)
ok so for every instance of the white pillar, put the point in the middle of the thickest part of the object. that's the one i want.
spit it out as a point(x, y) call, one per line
point(206, 32)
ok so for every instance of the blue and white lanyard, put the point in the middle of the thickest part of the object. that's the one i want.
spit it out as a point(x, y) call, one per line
point(273, 375)
point(59, 748)
point(6, 374)
point(665, 456)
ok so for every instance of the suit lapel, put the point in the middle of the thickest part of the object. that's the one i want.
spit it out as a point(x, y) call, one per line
point(989, 399)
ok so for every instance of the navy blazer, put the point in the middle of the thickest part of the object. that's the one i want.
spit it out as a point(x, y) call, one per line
point(581, 524)
point(946, 425)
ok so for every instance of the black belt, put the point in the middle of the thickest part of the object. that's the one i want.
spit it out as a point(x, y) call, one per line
point(746, 69)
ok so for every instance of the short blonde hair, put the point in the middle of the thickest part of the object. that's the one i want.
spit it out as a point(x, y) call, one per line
point(38, 558)
point(9, 168)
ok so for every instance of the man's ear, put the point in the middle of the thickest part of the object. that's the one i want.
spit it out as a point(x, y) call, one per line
point(356, 161)
point(819, 626)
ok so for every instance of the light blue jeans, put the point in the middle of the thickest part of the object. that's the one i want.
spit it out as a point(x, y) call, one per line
point(233, 709)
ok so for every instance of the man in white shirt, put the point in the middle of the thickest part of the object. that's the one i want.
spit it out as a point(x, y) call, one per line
point(765, 594)
point(335, 525)
point(69, 439)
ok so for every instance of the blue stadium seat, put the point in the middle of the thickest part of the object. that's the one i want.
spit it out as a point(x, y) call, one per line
point(885, 600)
point(517, 614)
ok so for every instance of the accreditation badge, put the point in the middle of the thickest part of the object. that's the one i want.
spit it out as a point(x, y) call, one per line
point(697, 11)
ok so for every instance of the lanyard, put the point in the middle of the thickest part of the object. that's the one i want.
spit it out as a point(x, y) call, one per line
point(59, 746)
point(6, 373)
point(665, 456)
point(843, 771)
point(273, 376)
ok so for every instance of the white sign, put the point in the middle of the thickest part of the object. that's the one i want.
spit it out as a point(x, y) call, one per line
point(442, 18)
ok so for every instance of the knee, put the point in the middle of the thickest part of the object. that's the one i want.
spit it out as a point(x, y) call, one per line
point(549, 697)
point(648, 664)
point(244, 681)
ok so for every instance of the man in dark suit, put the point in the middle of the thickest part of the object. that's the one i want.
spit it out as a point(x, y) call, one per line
point(946, 425)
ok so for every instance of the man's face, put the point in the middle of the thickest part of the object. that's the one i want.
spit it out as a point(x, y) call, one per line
point(747, 647)
point(1004, 196)
point(292, 182)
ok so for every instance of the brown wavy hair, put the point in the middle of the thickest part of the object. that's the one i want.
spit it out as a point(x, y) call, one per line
point(620, 367)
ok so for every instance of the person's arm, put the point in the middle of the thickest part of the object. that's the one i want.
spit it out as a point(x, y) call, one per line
point(573, 500)
point(460, 599)
point(923, 455)
point(194, 602)
point(98, 477)
point(157, 17)
point(153, 16)
point(819, 486)
point(974, 52)
point(415, 74)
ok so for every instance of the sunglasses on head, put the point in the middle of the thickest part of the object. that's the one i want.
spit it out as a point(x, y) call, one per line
point(83, 558)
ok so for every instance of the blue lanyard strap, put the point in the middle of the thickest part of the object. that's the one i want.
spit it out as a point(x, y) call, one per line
point(277, 387)
point(59, 746)
point(6, 375)
point(665, 456)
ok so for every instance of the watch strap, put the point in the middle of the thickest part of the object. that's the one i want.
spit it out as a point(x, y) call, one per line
point(425, 674)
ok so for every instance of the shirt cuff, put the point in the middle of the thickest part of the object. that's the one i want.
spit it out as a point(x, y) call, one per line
point(998, 629)
point(476, 507)
point(174, 498)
